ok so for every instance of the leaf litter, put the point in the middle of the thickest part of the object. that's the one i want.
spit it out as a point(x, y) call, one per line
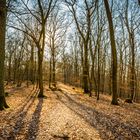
point(67, 114)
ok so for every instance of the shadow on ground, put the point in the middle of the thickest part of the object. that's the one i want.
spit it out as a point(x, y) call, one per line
point(34, 124)
point(108, 127)
point(20, 115)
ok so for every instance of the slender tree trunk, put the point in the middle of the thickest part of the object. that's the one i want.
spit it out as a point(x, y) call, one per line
point(9, 69)
point(40, 72)
point(2, 52)
point(27, 72)
point(15, 69)
point(32, 77)
point(98, 71)
point(41, 46)
point(53, 71)
point(93, 55)
point(82, 61)
point(132, 47)
point(50, 76)
point(132, 66)
point(53, 64)
point(114, 54)
point(121, 75)
point(103, 71)
point(85, 69)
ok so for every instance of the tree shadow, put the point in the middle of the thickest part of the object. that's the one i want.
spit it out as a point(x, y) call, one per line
point(108, 127)
point(133, 108)
point(27, 99)
point(21, 114)
point(34, 124)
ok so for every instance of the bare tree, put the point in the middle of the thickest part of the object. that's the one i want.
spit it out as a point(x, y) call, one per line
point(114, 54)
point(3, 13)
point(89, 8)
point(36, 30)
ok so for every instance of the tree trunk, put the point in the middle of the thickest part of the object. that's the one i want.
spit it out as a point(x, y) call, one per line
point(132, 66)
point(32, 77)
point(40, 72)
point(93, 55)
point(40, 47)
point(132, 47)
point(114, 54)
point(53, 64)
point(9, 69)
point(27, 73)
point(53, 75)
point(98, 71)
point(2, 52)
point(50, 74)
point(85, 69)
point(15, 69)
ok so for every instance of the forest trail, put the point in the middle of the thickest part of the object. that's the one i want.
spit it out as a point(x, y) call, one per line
point(67, 114)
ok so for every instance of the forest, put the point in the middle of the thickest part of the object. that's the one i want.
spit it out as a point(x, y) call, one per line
point(69, 70)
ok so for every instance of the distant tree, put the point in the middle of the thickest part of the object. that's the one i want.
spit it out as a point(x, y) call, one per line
point(84, 29)
point(57, 27)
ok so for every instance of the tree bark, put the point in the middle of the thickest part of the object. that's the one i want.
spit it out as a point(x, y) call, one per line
point(3, 10)
point(113, 53)
point(132, 66)
point(40, 72)
point(9, 69)
point(50, 74)
point(32, 71)
point(53, 64)
point(85, 69)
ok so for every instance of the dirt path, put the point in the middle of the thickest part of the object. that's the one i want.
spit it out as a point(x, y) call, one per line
point(63, 123)
point(66, 115)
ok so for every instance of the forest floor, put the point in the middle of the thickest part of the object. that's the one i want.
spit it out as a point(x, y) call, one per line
point(67, 114)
